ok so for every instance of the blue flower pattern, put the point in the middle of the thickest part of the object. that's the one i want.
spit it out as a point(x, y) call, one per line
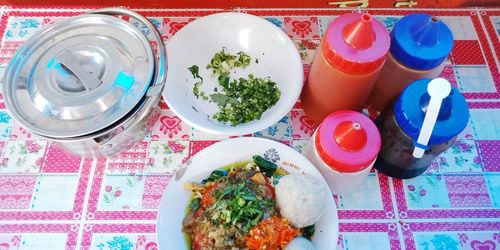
point(4, 117)
point(275, 21)
point(285, 119)
point(281, 131)
point(21, 28)
point(23, 33)
point(155, 23)
point(9, 34)
point(463, 156)
point(441, 242)
point(272, 155)
point(272, 130)
point(288, 132)
point(5, 133)
point(389, 22)
point(29, 23)
point(117, 243)
point(144, 29)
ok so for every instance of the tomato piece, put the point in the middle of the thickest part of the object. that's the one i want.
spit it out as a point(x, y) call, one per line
point(207, 197)
point(270, 189)
point(271, 233)
point(198, 212)
point(197, 240)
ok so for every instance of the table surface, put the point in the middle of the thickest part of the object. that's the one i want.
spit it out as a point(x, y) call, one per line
point(52, 200)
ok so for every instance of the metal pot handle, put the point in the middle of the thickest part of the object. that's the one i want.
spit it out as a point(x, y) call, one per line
point(161, 66)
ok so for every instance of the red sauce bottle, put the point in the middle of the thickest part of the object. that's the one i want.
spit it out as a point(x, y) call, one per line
point(346, 65)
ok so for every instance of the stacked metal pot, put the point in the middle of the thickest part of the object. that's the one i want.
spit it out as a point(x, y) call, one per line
point(90, 82)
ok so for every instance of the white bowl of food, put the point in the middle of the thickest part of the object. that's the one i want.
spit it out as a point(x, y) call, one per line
point(258, 61)
point(204, 207)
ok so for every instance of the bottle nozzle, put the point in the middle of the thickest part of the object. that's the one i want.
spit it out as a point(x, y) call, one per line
point(350, 136)
point(427, 32)
point(359, 34)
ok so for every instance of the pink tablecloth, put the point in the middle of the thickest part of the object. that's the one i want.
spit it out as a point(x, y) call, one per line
point(51, 200)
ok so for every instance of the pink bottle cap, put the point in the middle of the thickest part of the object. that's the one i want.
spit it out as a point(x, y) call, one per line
point(347, 141)
point(356, 43)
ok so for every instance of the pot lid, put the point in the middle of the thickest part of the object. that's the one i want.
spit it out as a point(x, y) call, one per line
point(78, 76)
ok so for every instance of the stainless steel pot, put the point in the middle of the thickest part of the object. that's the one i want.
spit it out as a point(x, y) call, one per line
point(90, 82)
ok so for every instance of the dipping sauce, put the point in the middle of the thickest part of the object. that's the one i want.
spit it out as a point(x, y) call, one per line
point(401, 125)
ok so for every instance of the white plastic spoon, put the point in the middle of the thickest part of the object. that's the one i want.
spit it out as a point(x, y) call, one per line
point(438, 89)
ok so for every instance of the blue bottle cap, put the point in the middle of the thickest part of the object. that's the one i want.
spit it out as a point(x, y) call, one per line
point(410, 107)
point(421, 42)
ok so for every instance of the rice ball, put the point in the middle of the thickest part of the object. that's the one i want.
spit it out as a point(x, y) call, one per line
point(302, 199)
point(300, 243)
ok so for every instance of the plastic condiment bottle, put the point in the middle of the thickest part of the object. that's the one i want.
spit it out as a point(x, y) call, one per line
point(420, 45)
point(346, 65)
point(343, 149)
point(423, 122)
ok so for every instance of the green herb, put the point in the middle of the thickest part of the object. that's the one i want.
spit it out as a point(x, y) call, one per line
point(196, 89)
point(223, 62)
point(224, 80)
point(194, 71)
point(203, 95)
point(252, 97)
point(243, 60)
point(240, 100)
point(238, 205)
point(223, 100)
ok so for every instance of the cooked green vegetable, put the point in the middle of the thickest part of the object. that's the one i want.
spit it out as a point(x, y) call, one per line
point(308, 232)
point(195, 204)
point(265, 166)
point(215, 175)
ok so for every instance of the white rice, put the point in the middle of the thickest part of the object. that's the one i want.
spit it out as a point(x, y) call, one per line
point(302, 199)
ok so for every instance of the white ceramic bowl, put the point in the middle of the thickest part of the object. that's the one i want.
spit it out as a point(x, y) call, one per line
point(197, 43)
point(175, 199)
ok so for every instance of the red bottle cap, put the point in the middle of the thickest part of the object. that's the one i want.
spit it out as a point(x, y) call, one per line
point(350, 136)
point(359, 34)
point(356, 43)
point(347, 141)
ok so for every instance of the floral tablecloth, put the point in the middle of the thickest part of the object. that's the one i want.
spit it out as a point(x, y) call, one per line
point(52, 200)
